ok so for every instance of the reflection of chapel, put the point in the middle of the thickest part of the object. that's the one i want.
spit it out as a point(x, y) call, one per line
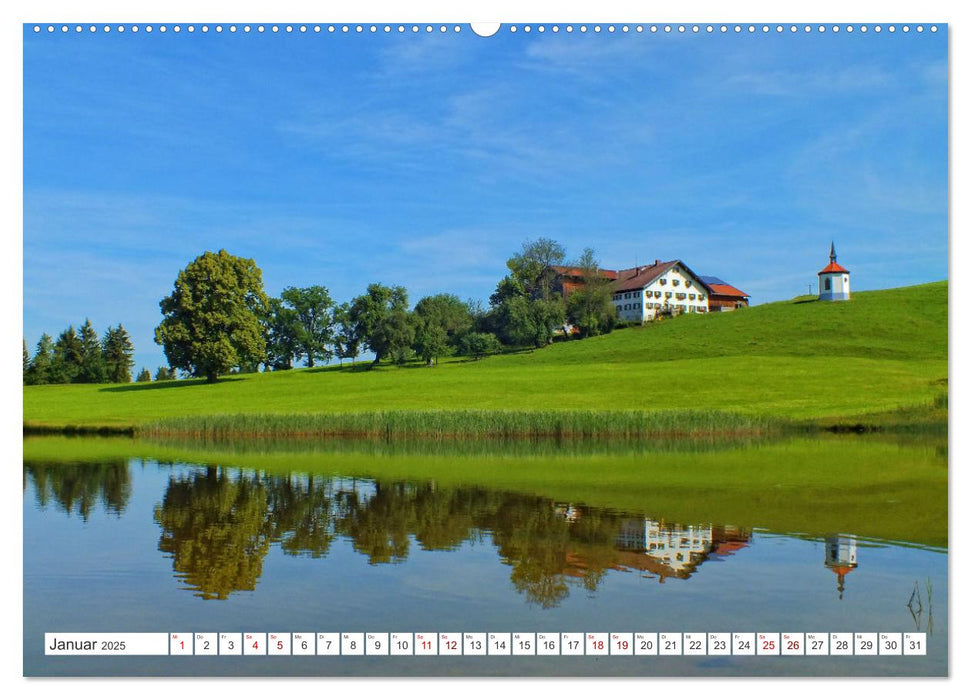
point(840, 558)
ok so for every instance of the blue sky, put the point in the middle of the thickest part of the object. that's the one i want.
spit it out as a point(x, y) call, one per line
point(426, 160)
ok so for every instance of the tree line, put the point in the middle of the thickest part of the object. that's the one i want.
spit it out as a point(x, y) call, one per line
point(219, 318)
point(80, 357)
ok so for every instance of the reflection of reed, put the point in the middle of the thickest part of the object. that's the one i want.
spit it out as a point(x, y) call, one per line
point(916, 606)
point(930, 607)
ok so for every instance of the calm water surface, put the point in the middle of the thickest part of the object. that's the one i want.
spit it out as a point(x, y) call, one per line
point(136, 545)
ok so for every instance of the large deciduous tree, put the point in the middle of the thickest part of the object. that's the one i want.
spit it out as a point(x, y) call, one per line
point(382, 322)
point(212, 318)
point(282, 346)
point(439, 321)
point(347, 343)
point(531, 266)
point(590, 308)
point(313, 309)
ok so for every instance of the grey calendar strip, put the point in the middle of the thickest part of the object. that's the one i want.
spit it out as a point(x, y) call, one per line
point(486, 644)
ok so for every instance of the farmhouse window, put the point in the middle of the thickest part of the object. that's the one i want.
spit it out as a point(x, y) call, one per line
point(676, 282)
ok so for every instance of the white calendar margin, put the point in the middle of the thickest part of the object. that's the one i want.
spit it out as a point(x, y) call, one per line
point(11, 645)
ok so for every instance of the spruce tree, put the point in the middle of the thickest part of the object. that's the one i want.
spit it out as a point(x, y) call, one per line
point(92, 369)
point(117, 351)
point(39, 371)
point(144, 375)
point(67, 358)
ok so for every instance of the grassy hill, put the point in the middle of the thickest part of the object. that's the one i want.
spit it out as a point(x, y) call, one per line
point(883, 355)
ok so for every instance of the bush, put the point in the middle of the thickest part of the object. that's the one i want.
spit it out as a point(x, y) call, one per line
point(478, 345)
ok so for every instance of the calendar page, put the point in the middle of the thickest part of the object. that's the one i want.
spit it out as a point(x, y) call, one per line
point(530, 349)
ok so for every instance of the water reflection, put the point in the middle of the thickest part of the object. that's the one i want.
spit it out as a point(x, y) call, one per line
point(217, 525)
point(79, 488)
point(840, 558)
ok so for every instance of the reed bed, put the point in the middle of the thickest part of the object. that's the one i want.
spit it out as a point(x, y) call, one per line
point(513, 424)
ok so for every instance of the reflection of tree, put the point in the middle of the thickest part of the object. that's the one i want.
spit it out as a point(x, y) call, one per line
point(379, 527)
point(544, 548)
point(216, 529)
point(78, 488)
point(302, 515)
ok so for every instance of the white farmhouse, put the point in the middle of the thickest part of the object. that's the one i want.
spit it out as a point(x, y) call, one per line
point(834, 280)
point(665, 288)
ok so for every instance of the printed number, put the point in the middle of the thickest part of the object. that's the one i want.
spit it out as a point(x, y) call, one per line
point(646, 645)
point(817, 645)
point(452, 646)
point(112, 646)
point(670, 645)
point(279, 644)
point(231, 646)
point(353, 645)
point(328, 644)
point(694, 646)
point(475, 645)
point(377, 644)
point(549, 644)
point(500, 645)
point(181, 645)
point(598, 645)
point(720, 645)
point(622, 644)
point(256, 645)
point(205, 645)
point(426, 644)
point(768, 644)
point(573, 645)
point(891, 644)
point(402, 643)
point(303, 645)
point(914, 644)
point(745, 645)
point(524, 644)
point(866, 645)
point(842, 645)
point(793, 645)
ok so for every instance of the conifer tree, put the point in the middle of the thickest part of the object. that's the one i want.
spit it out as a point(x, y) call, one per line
point(66, 358)
point(92, 368)
point(117, 351)
point(39, 371)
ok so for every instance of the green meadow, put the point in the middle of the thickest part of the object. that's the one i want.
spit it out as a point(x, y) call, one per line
point(880, 359)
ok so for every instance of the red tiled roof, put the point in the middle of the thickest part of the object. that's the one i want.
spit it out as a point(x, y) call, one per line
point(640, 277)
point(833, 267)
point(578, 272)
point(727, 290)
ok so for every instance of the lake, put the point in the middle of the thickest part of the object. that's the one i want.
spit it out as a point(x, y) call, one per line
point(830, 534)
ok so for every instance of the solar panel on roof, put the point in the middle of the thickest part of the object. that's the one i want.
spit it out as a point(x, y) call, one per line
point(711, 280)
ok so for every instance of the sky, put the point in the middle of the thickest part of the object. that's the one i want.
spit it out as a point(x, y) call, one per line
point(427, 159)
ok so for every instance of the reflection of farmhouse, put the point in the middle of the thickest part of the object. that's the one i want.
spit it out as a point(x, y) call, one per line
point(673, 550)
point(646, 292)
point(840, 558)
